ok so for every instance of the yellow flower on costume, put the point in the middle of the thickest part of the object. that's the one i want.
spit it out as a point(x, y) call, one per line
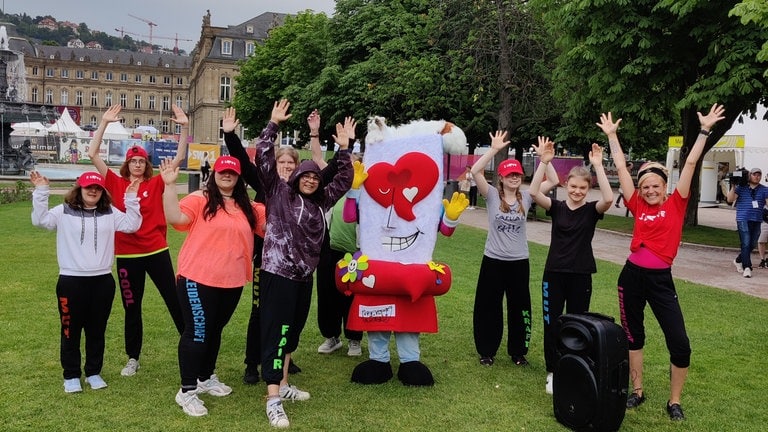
point(352, 266)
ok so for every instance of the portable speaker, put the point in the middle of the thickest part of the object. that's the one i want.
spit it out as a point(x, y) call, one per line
point(592, 372)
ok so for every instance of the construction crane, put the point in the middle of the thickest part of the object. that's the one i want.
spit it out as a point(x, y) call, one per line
point(176, 39)
point(150, 23)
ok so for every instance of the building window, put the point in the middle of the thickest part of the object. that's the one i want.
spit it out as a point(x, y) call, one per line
point(225, 88)
point(108, 76)
point(34, 94)
point(138, 78)
point(152, 79)
point(137, 101)
point(226, 47)
point(65, 73)
point(123, 100)
point(94, 99)
point(179, 101)
point(152, 102)
point(136, 123)
point(34, 70)
point(166, 103)
point(179, 80)
point(151, 122)
point(250, 47)
point(108, 99)
point(49, 96)
point(221, 131)
point(177, 128)
point(123, 77)
point(167, 80)
point(93, 121)
point(95, 75)
point(64, 97)
point(49, 72)
point(164, 128)
point(79, 74)
point(79, 98)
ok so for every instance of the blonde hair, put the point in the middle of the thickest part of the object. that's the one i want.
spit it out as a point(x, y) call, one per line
point(651, 168)
point(581, 172)
point(290, 151)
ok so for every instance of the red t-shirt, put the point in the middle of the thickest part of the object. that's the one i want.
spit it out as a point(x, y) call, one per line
point(151, 237)
point(658, 228)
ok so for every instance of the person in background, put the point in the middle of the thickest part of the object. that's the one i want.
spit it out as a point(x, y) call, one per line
point(647, 274)
point(567, 279)
point(340, 238)
point(144, 252)
point(214, 263)
point(295, 231)
point(749, 201)
point(465, 185)
point(85, 226)
point(205, 167)
point(505, 269)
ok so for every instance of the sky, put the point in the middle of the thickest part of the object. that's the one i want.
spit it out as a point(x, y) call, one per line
point(184, 17)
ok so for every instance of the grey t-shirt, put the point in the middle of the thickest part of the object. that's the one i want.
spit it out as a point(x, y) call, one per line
point(507, 239)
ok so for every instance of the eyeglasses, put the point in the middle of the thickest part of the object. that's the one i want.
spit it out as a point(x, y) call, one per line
point(139, 162)
point(311, 178)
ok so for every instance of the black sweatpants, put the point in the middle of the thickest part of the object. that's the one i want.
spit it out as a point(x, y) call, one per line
point(332, 305)
point(558, 292)
point(638, 286)
point(284, 311)
point(206, 311)
point(253, 333)
point(131, 273)
point(498, 278)
point(85, 303)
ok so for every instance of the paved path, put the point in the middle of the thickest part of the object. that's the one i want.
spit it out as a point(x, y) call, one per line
point(710, 266)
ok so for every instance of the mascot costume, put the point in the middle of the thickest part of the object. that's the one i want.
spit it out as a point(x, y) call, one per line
point(399, 205)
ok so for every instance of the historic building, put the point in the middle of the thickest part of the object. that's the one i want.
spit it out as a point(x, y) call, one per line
point(146, 84)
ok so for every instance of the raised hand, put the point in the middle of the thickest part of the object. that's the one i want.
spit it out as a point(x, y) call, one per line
point(179, 116)
point(360, 174)
point(596, 155)
point(229, 120)
point(607, 124)
point(314, 122)
point(133, 187)
point(112, 114)
point(349, 125)
point(280, 111)
point(456, 206)
point(715, 115)
point(38, 179)
point(168, 172)
point(545, 149)
point(499, 140)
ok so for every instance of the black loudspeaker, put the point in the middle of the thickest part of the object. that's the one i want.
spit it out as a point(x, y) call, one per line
point(592, 372)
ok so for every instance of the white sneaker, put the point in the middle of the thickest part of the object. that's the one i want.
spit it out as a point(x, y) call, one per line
point(276, 415)
point(291, 392)
point(72, 385)
point(549, 386)
point(96, 382)
point(213, 387)
point(330, 345)
point(739, 268)
point(191, 404)
point(130, 368)
point(355, 349)
point(747, 272)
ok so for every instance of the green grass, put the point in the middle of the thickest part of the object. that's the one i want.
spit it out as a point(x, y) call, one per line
point(724, 392)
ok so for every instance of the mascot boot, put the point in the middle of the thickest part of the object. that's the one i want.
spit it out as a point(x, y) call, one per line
point(372, 372)
point(415, 373)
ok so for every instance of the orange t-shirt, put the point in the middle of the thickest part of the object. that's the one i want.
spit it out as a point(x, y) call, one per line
point(218, 252)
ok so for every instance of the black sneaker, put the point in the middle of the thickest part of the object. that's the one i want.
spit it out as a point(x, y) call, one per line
point(763, 263)
point(635, 400)
point(520, 360)
point(486, 361)
point(251, 375)
point(675, 412)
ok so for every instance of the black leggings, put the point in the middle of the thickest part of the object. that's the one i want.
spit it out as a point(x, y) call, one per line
point(206, 311)
point(332, 305)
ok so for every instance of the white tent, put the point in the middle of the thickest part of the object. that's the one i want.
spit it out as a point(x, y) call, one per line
point(29, 129)
point(65, 125)
point(116, 131)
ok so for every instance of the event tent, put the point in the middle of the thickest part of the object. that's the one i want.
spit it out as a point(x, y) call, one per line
point(116, 131)
point(29, 129)
point(65, 125)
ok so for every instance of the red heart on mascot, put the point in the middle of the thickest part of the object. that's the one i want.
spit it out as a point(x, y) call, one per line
point(403, 184)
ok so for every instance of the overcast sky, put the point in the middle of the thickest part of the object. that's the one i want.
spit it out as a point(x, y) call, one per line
point(184, 17)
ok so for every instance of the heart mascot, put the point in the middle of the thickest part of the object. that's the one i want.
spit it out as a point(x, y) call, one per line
point(398, 203)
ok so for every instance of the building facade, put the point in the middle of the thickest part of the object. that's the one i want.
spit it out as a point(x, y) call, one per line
point(146, 84)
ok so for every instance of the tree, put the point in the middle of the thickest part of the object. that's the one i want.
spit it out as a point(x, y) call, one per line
point(754, 11)
point(651, 62)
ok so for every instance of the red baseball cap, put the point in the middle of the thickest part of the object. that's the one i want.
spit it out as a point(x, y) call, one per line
point(136, 151)
point(90, 178)
point(510, 166)
point(224, 163)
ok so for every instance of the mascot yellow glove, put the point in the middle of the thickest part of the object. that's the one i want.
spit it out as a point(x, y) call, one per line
point(456, 206)
point(360, 175)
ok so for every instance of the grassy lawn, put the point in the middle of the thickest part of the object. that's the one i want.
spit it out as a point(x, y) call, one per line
point(724, 390)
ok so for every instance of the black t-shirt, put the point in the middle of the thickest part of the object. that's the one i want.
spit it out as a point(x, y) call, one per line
point(570, 249)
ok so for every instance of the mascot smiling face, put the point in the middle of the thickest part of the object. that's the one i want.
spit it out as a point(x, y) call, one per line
point(402, 200)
